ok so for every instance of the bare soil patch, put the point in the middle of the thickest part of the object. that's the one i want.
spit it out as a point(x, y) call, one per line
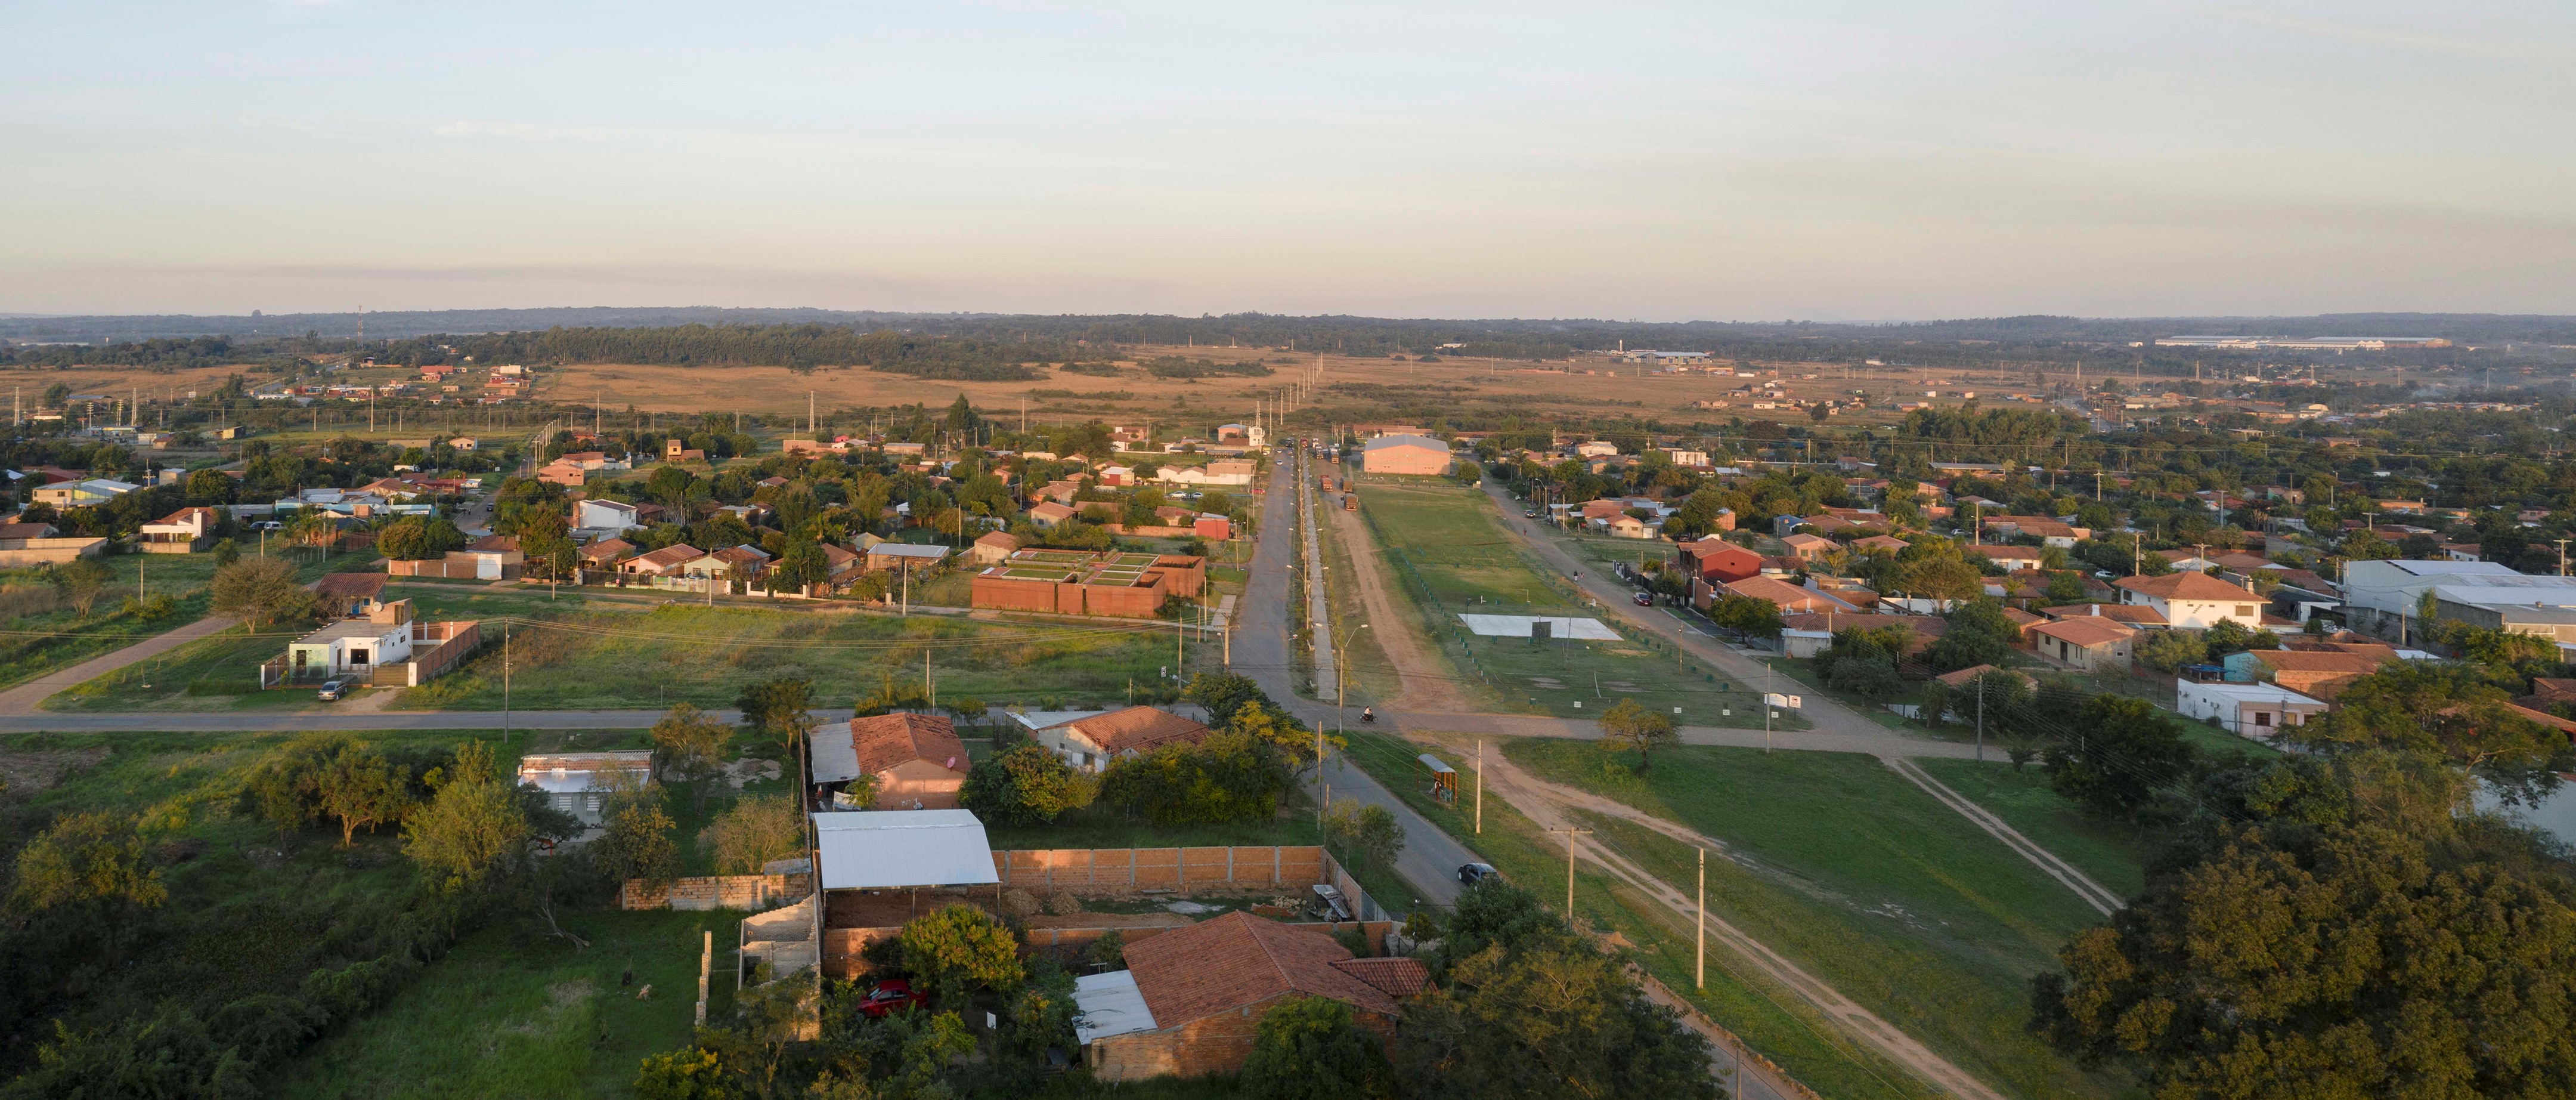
point(25, 773)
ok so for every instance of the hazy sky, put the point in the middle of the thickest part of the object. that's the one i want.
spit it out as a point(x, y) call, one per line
point(1815, 159)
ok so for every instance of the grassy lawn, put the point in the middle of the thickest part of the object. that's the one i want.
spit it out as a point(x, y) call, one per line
point(1864, 879)
point(1370, 677)
point(1769, 1017)
point(2115, 854)
point(513, 1013)
point(1447, 556)
point(68, 638)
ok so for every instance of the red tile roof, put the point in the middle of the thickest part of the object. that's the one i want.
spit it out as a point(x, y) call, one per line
point(2187, 586)
point(2085, 632)
point(348, 585)
point(1136, 729)
point(885, 740)
point(1238, 959)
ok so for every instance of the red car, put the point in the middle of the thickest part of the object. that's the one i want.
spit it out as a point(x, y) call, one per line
point(890, 995)
point(1645, 599)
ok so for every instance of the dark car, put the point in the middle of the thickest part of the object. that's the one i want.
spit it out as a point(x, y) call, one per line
point(1645, 599)
point(891, 995)
point(331, 691)
point(1473, 873)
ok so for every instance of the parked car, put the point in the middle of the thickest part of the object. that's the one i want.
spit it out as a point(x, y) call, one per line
point(1473, 873)
point(1330, 904)
point(332, 691)
point(891, 995)
point(1530, 514)
point(1645, 599)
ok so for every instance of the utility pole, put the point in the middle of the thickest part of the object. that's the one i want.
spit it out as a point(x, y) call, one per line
point(1699, 931)
point(1570, 834)
point(505, 681)
point(1480, 788)
point(2562, 557)
point(1981, 719)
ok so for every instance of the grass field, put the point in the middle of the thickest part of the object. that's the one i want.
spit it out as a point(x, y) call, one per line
point(2113, 853)
point(40, 643)
point(578, 651)
point(1863, 879)
point(1444, 553)
point(1768, 1016)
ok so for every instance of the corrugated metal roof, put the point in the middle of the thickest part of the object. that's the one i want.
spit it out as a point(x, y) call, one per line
point(1110, 1006)
point(880, 849)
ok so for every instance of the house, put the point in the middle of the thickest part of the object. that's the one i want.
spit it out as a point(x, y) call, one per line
point(2089, 644)
point(916, 759)
point(463, 443)
point(1117, 475)
point(665, 562)
point(1883, 543)
point(182, 532)
point(345, 595)
point(578, 783)
point(1807, 634)
point(674, 450)
point(2134, 616)
point(2194, 601)
point(1717, 560)
point(490, 558)
point(1789, 598)
point(1630, 527)
point(2012, 559)
point(1808, 548)
point(1596, 448)
point(80, 494)
point(605, 553)
point(1092, 740)
point(562, 473)
point(2316, 673)
point(903, 556)
point(1192, 999)
point(2246, 710)
point(605, 515)
point(1049, 514)
point(1229, 471)
point(1061, 492)
point(733, 564)
point(354, 647)
point(992, 547)
point(1404, 454)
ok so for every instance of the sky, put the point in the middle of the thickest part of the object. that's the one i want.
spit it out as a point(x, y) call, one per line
point(1818, 159)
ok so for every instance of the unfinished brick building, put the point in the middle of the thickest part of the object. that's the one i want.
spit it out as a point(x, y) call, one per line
point(1074, 582)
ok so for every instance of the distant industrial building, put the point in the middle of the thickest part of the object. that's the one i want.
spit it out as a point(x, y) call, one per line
point(1404, 454)
point(2312, 343)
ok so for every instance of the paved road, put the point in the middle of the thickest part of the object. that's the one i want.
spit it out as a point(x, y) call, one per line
point(1262, 651)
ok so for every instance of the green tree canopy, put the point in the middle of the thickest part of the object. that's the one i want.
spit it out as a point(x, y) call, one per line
point(2117, 755)
point(1309, 1048)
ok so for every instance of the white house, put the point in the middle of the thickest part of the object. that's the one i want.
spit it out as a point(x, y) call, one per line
point(1220, 472)
point(578, 782)
point(2246, 710)
point(605, 515)
point(1596, 448)
point(354, 647)
point(75, 494)
point(184, 531)
point(2194, 601)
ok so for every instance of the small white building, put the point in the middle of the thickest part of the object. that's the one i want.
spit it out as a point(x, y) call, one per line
point(2194, 601)
point(605, 515)
point(2247, 710)
point(578, 782)
point(354, 647)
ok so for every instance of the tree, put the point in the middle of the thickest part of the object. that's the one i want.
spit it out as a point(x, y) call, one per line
point(360, 788)
point(637, 841)
point(419, 538)
point(226, 552)
point(2383, 959)
point(1544, 1024)
point(81, 580)
point(2439, 709)
point(1942, 578)
point(758, 830)
point(472, 828)
point(87, 857)
point(1281, 730)
point(260, 591)
point(2118, 754)
point(803, 564)
point(1627, 727)
point(959, 949)
point(2065, 587)
point(1309, 1048)
point(1747, 615)
point(1367, 830)
point(1229, 776)
point(2168, 650)
point(1222, 693)
point(780, 708)
point(1867, 677)
point(1027, 785)
point(691, 745)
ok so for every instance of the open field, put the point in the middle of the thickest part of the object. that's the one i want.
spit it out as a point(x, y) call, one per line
point(1768, 1016)
point(1447, 556)
point(576, 651)
point(1863, 879)
point(49, 640)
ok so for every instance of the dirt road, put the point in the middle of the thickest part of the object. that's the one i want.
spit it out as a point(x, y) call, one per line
point(1427, 683)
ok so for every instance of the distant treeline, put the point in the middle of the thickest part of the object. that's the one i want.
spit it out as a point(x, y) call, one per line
point(157, 355)
point(796, 347)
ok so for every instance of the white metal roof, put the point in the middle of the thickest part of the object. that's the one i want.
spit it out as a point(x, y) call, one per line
point(1111, 1005)
point(908, 550)
point(880, 849)
point(2248, 693)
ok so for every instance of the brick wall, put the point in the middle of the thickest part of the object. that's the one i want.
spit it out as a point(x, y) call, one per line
point(751, 892)
point(1123, 870)
point(1210, 1044)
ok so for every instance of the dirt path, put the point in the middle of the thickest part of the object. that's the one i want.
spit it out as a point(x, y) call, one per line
point(1427, 683)
point(23, 698)
point(1548, 804)
point(2100, 897)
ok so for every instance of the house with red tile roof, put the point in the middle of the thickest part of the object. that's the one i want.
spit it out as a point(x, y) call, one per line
point(2089, 644)
point(1092, 740)
point(916, 761)
point(1789, 597)
point(2193, 601)
point(1192, 999)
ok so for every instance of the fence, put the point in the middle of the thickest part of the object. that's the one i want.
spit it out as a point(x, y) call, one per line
point(1132, 870)
point(752, 892)
point(456, 641)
